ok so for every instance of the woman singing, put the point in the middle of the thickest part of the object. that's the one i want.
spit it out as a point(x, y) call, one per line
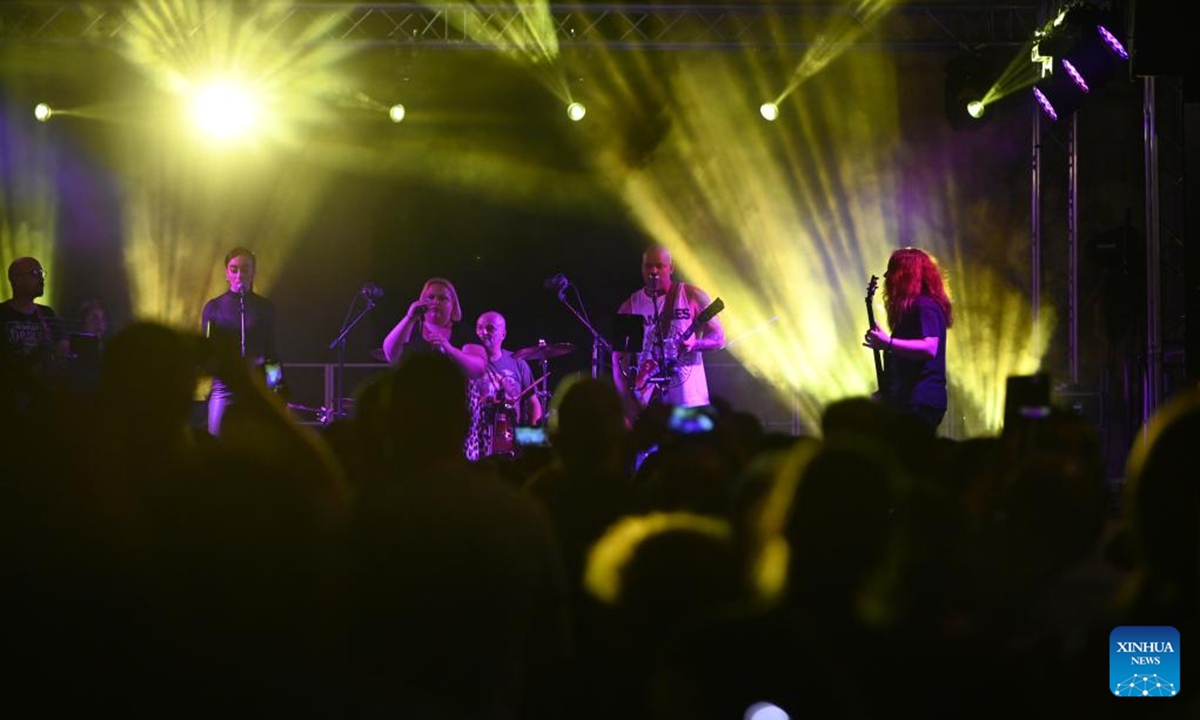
point(919, 313)
point(427, 327)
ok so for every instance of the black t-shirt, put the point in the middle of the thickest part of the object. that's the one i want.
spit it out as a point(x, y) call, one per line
point(29, 338)
point(27, 360)
point(418, 345)
point(914, 382)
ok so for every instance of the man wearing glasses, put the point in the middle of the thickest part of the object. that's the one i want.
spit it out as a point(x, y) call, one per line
point(33, 342)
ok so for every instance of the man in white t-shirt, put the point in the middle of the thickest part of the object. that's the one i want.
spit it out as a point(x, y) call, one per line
point(669, 369)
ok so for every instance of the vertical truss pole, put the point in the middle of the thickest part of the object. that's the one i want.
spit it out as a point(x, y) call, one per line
point(1152, 380)
point(1035, 225)
point(1073, 250)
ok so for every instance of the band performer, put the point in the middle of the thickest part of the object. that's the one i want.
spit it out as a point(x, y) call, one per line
point(919, 312)
point(501, 398)
point(428, 326)
point(669, 369)
point(33, 344)
point(241, 317)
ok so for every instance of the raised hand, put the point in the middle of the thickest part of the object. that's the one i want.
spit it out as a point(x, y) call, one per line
point(418, 308)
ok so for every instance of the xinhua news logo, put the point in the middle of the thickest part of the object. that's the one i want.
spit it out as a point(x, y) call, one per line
point(1144, 661)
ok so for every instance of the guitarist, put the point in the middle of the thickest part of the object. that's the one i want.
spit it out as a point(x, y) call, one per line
point(919, 313)
point(668, 309)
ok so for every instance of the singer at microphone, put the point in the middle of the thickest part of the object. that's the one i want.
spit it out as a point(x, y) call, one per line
point(241, 318)
point(669, 367)
point(428, 326)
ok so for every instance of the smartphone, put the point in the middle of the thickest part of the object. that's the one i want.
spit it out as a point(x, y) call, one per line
point(529, 436)
point(691, 420)
point(1026, 397)
point(274, 375)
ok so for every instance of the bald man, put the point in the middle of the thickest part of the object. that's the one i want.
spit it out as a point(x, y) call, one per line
point(34, 344)
point(502, 397)
point(669, 368)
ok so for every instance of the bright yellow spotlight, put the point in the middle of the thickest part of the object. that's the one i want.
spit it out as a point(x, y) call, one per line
point(576, 111)
point(396, 113)
point(769, 111)
point(42, 112)
point(224, 110)
point(975, 109)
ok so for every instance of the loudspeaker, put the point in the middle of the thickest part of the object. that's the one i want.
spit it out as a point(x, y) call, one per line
point(1156, 39)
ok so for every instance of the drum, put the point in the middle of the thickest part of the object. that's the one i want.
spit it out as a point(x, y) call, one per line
point(500, 421)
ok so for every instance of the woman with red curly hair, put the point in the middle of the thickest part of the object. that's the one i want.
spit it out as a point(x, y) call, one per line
point(919, 313)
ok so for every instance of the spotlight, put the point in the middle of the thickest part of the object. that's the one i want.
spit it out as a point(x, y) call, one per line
point(968, 78)
point(1085, 51)
point(576, 111)
point(224, 110)
point(1113, 42)
point(396, 113)
point(1075, 76)
point(769, 111)
point(42, 112)
point(1045, 104)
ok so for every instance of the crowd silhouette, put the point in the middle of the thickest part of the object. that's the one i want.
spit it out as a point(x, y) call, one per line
point(370, 570)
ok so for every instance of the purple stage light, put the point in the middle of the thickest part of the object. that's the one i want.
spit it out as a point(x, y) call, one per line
point(1045, 103)
point(1112, 42)
point(1074, 75)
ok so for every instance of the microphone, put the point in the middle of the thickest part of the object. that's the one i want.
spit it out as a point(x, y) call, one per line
point(558, 284)
point(372, 290)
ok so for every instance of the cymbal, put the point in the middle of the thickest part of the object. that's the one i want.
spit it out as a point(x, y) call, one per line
point(377, 354)
point(544, 352)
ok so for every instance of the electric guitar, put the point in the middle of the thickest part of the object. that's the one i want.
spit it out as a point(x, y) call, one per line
point(649, 382)
point(879, 373)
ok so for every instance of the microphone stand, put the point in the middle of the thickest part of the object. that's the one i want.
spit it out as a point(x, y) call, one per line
point(242, 317)
point(598, 341)
point(663, 372)
point(340, 343)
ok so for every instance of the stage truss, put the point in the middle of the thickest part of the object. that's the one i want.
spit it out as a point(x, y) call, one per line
point(613, 26)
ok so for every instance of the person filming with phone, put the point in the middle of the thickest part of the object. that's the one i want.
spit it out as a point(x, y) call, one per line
point(242, 318)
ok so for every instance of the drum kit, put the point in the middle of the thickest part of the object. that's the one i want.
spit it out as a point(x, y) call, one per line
point(501, 413)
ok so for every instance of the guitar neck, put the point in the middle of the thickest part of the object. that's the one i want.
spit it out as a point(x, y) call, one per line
point(879, 373)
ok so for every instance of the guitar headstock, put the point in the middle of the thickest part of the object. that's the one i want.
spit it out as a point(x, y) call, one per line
point(872, 287)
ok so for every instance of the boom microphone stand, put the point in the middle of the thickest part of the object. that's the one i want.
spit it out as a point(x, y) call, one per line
point(599, 344)
point(368, 293)
point(662, 373)
point(242, 317)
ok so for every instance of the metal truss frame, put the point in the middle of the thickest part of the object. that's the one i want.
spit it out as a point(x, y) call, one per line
point(608, 25)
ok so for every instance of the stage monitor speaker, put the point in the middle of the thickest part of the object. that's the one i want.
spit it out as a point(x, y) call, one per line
point(730, 381)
